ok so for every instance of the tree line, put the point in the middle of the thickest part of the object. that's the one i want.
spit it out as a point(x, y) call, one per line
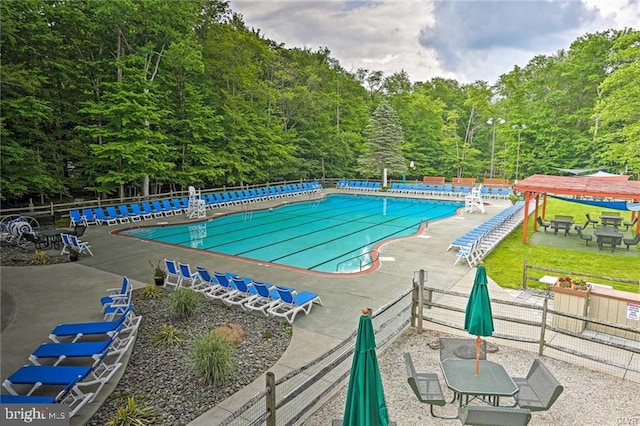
point(137, 97)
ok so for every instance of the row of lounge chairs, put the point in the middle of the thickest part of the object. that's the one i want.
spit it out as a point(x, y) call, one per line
point(448, 190)
point(232, 198)
point(247, 293)
point(478, 242)
point(135, 212)
point(357, 185)
point(94, 349)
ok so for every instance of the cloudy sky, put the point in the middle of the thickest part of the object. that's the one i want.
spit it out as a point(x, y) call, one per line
point(467, 40)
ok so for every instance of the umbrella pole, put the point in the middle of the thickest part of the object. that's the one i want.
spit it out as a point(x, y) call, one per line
point(478, 342)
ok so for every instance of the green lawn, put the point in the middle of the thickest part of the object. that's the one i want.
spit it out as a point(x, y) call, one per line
point(505, 263)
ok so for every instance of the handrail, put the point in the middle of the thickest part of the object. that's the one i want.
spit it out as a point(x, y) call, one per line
point(360, 257)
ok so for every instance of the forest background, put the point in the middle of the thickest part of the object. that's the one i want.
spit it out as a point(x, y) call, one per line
point(127, 98)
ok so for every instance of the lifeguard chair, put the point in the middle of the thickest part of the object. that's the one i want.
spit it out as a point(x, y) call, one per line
point(197, 206)
point(473, 200)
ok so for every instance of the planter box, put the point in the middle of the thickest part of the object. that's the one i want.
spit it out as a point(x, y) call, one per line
point(571, 301)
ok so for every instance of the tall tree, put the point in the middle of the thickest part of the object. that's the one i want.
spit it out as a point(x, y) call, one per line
point(383, 143)
point(618, 108)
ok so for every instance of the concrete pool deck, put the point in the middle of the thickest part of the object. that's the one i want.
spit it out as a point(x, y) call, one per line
point(52, 294)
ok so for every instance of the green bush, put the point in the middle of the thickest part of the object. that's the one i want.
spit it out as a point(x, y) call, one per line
point(133, 415)
point(212, 357)
point(184, 303)
point(150, 291)
point(169, 335)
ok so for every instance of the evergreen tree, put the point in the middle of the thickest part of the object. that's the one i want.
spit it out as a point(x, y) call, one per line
point(383, 143)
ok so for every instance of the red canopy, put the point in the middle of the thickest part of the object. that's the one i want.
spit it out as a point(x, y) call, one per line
point(586, 186)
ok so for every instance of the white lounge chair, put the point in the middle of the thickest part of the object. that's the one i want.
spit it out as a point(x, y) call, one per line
point(290, 303)
point(173, 278)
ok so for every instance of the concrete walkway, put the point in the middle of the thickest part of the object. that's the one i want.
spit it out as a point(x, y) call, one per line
point(48, 295)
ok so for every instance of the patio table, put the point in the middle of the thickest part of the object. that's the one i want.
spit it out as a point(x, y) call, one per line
point(492, 382)
point(53, 237)
point(611, 220)
point(609, 236)
point(562, 222)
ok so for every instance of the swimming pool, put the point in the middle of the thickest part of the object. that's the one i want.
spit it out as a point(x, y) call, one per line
point(332, 234)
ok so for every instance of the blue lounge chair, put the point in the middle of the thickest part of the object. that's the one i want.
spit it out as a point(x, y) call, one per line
point(266, 298)
point(178, 207)
point(135, 208)
point(98, 350)
point(112, 212)
point(188, 279)
point(173, 277)
point(61, 351)
point(124, 211)
point(76, 218)
point(81, 246)
point(158, 207)
point(244, 292)
point(90, 217)
point(102, 217)
point(219, 200)
point(290, 303)
point(147, 209)
point(116, 293)
point(127, 322)
point(223, 289)
point(68, 377)
point(166, 205)
point(208, 280)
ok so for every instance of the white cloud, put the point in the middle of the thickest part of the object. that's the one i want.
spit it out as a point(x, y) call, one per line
point(466, 40)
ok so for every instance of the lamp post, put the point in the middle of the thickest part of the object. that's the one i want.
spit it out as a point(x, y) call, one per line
point(495, 123)
point(520, 128)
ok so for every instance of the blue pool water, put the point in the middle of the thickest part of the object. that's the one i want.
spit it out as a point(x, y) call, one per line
point(334, 234)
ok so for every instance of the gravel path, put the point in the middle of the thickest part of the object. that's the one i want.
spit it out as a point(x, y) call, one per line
point(590, 398)
point(161, 376)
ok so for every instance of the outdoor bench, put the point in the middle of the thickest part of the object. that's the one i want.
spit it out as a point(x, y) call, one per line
point(493, 416)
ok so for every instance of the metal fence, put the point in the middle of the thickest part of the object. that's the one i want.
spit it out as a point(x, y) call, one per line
point(290, 399)
point(63, 208)
point(531, 327)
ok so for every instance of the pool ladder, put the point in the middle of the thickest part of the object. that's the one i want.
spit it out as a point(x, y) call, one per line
point(371, 255)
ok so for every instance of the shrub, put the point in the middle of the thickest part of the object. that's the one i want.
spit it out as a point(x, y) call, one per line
point(133, 415)
point(212, 357)
point(40, 258)
point(184, 303)
point(169, 335)
point(150, 291)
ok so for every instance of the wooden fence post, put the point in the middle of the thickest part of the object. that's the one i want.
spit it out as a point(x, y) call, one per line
point(524, 274)
point(271, 398)
point(543, 325)
point(420, 299)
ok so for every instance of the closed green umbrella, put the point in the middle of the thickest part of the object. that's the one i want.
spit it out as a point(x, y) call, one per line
point(478, 319)
point(365, 397)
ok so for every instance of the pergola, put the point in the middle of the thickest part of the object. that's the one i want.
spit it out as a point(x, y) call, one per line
point(616, 187)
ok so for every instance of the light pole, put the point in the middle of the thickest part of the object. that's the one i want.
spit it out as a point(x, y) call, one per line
point(493, 141)
point(520, 128)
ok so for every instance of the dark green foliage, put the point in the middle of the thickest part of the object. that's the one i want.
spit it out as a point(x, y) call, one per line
point(383, 146)
point(123, 97)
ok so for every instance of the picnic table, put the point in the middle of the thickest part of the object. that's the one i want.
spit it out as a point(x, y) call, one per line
point(491, 383)
point(562, 222)
point(609, 236)
point(611, 220)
